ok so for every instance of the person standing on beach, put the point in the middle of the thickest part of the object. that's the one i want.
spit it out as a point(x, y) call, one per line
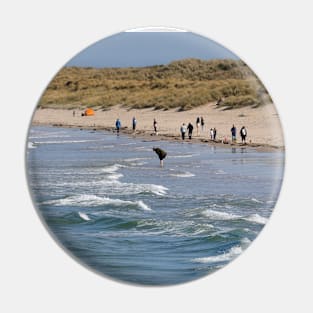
point(202, 123)
point(198, 125)
point(183, 130)
point(211, 134)
point(155, 126)
point(214, 133)
point(161, 154)
point(74, 113)
point(233, 133)
point(190, 129)
point(118, 125)
point(243, 134)
point(134, 122)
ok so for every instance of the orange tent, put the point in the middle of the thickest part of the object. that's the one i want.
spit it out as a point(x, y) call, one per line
point(89, 112)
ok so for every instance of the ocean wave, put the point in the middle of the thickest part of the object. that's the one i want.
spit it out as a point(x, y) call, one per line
point(112, 168)
point(256, 218)
point(181, 156)
point(136, 159)
point(63, 141)
point(31, 145)
point(227, 256)
point(217, 215)
point(183, 174)
point(84, 216)
point(94, 201)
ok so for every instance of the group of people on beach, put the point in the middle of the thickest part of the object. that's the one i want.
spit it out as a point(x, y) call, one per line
point(184, 129)
point(188, 130)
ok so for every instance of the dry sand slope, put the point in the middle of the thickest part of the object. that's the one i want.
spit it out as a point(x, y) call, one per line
point(262, 123)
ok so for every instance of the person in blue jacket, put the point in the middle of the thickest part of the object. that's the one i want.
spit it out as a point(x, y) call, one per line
point(233, 133)
point(118, 125)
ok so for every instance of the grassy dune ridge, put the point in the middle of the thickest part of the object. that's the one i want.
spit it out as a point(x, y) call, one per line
point(183, 84)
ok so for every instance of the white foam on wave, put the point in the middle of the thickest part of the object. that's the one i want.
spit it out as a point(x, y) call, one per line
point(63, 141)
point(84, 216)
point(93, 201)
point(217, 215)
point(112, 168)
point(181, 156)
point(185, 174)
point(114, 176)
point(135, 159)
point(256, 200)
point(30, 145)
point(227, 256)
point(256, 218)
point(220, 172)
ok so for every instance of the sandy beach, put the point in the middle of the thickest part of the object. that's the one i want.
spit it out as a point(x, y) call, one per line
point(262, 124)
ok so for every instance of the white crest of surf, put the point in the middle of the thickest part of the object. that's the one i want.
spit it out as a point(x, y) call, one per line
point(185, 174)
point(227, 256)
point(130, 188)
point(181, 156)
point(30, 145)
point(93, 201)
point(217, 215)
point(84, 216)
point(256, 218)
point(135, 159)
point(63, 141)
point(112, 168)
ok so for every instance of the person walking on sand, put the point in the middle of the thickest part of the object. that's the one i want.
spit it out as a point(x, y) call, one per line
point(183, 130)
point(161, 154)
point(74, 113)
point(198, 125)
point(243, 134)
point(214, 133)
point(155, 126)
point(134, 123)
point(211, 133)
point(202, 123)
point(233, 133)
point(190, 129)
point(118, 125)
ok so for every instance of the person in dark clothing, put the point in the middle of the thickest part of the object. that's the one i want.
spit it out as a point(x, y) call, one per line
point(161, 154)
point(134, 122)
point(202, 123)
point(233, 133)
point(118, 125)
point(198, 125)
point(214, 133)
point(190, 129)
point(243, 134)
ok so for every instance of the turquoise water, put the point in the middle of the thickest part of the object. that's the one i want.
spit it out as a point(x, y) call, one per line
point(108, 202)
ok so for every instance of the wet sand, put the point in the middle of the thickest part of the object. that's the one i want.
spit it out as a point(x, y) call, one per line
point(262, 124)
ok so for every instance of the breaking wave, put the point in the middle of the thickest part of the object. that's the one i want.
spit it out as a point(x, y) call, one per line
point(94, 201)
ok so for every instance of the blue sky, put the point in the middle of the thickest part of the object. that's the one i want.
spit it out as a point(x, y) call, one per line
point(148, 48)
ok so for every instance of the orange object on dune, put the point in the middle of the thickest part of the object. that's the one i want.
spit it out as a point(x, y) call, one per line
point(89, 112)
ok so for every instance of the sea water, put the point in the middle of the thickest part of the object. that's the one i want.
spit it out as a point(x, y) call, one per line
point(109, 203)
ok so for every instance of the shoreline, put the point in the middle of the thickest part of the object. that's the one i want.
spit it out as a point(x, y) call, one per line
point(169, 123)
point(150, 137)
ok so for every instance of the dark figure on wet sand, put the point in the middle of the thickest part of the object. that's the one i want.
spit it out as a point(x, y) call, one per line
point(233, 133)
point(161, 154)
point(183, 130)
point(243, 134)
point(134, 122)
point(214, 133)
point(118, 125)
point(190, 129)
